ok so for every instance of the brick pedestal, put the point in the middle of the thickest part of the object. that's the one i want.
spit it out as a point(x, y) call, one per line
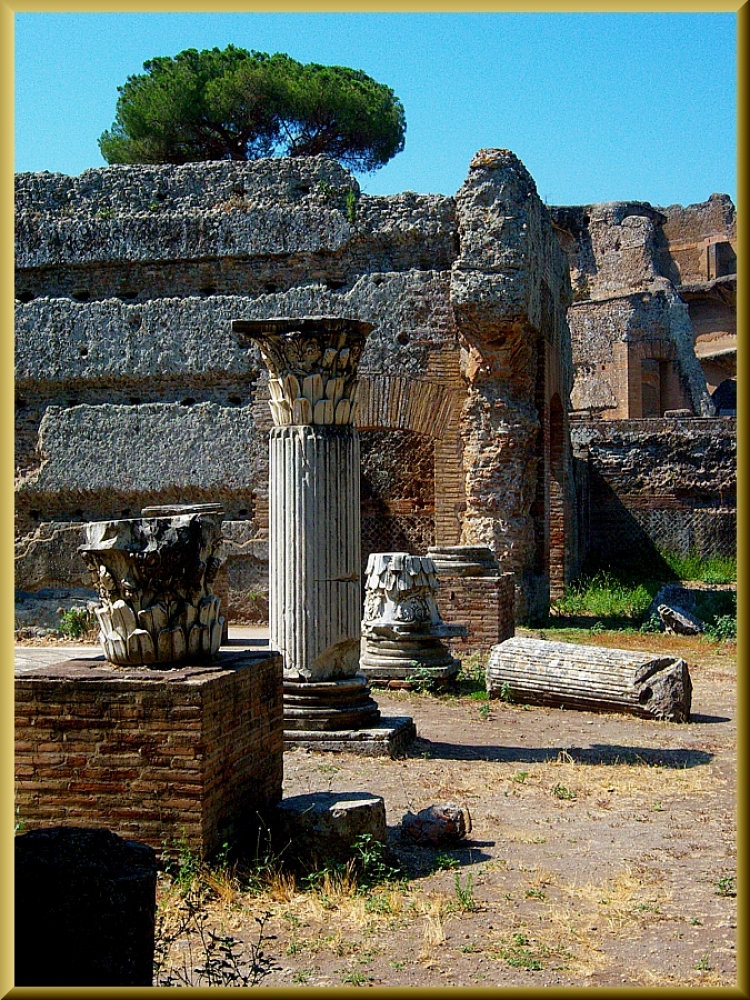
point(484, 604)
point(191, 754)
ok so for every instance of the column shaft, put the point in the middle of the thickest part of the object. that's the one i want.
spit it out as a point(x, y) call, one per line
point(314, 550)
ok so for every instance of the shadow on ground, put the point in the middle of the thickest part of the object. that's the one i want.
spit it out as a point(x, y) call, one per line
point(596, 754)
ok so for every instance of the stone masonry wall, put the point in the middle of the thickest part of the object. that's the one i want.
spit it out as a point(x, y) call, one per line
point(130, 389)
point(653, 485)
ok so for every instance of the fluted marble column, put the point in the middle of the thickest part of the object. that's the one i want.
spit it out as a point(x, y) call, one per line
point(314, 518)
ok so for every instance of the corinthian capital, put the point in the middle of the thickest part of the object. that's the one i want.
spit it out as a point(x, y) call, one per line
point(312, 364)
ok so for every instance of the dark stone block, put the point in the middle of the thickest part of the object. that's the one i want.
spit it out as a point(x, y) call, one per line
point(85, 903)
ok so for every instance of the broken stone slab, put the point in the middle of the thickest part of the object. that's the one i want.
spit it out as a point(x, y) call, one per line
point(674, 607)
point(592, 678)
point(678, 621)
point(321, 827)
point(438, 825)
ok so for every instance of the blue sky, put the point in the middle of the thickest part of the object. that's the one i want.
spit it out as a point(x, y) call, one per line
point(599, 107)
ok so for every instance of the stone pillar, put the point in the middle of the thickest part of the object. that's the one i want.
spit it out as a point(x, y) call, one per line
point(85, 909)
point(314, 518)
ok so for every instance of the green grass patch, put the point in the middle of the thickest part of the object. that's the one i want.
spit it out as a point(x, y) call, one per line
point(605, 596)
point(716, 569)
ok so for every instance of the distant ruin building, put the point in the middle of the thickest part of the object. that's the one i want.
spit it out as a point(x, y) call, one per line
point(654, 314)
point(132, 391)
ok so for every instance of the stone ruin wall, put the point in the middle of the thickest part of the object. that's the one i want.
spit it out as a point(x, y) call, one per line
point(654, 293)
point(131, 391)
point(654, 485)
point(653, 321)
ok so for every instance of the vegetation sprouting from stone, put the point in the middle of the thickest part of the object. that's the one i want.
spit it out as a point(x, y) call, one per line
point(232, 104)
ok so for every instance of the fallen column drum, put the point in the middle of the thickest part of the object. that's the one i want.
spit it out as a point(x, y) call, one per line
point(594, 678)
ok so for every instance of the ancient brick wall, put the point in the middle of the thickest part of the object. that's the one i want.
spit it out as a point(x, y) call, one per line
point(654, 485)
point(132, 391)
point(188, 755)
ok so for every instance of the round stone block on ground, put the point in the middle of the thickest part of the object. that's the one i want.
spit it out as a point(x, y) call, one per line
point(323, 827)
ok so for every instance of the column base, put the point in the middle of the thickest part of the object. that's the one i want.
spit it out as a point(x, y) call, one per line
point(408, 662)
point(326, 706)
point(390, 736)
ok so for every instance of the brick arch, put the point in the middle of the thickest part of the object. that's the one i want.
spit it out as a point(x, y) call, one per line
point(396, 403)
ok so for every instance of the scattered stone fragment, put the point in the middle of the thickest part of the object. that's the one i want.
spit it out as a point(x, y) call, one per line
point(678, 621)
point(439, 825)
point(321, 827)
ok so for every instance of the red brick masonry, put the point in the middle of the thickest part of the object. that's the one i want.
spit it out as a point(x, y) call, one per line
point(192, 753)
point(484, 604)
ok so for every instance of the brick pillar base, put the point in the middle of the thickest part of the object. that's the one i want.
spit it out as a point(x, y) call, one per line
point(189, 755)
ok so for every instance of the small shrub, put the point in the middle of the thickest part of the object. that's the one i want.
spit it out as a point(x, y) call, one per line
point(722, 628)
point(652, 624)
point(371, 866)
point(561, 792)
point(726, 886)
point(519, 955)
point(218, 959)
point(465, 894)
point(326, 190)
point(506, 694)
point(422, 679)
point(351, 207)
point(443, 862)
point(78, 623)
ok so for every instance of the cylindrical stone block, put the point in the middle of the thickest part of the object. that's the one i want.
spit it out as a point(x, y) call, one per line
point(85, 909)
point(593, 678)
point(314, 550)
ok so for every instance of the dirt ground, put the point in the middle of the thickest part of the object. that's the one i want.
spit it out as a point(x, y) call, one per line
point(603, 852)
